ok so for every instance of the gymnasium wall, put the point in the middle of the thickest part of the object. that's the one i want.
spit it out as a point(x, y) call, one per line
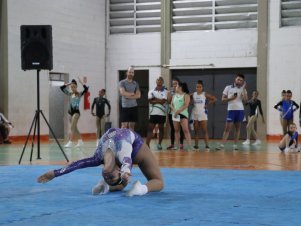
point(78, 30)
point(80, 48)
point(284, 67)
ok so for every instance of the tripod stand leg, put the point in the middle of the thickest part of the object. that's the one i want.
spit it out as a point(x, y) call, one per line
point(34, 120)
point(33, 138)
point(54, 136)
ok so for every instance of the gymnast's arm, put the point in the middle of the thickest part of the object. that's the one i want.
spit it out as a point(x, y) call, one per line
point(80, 164)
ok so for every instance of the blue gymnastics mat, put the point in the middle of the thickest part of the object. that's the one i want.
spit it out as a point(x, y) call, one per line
point(190, 197)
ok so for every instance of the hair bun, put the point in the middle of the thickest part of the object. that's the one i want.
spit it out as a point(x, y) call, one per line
point(74, 81)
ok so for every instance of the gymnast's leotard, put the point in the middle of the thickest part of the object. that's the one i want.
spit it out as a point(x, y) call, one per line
point(124, 143)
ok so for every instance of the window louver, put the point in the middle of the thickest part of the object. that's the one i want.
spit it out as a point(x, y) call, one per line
point(214, 14)
point(134, 16)
point(291, 13)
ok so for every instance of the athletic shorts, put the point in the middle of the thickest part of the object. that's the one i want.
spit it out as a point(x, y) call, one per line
point(157, 119)
point(199, 117)
point(235, 116)
point(129, 114)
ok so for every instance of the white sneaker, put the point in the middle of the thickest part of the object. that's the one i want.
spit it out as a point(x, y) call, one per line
point(247, 142)
point(69, 144)
point(257, 142)
point(220, 147)
point(101, 188)
point(235, 148)
point(287, 149)
point(80, 143)
point(137, 189)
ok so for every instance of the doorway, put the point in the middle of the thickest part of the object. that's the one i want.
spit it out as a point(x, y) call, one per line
point(142, 78)
point(57, 105)
point(215, 80)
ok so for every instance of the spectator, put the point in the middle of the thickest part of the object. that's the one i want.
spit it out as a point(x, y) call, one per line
point(179, 106)
point(100, 102)
point(73, 111)
point(171, 93)
point(255, 105)
point(130, 92)
point(289, 142)
point(234, 95)
point(5, 127)
point(287, 107)
point(199, 115)
point(157, 99)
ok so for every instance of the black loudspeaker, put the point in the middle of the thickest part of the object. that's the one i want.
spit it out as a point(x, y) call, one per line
point(36, 47)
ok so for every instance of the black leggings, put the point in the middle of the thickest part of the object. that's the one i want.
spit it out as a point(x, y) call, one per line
point(172, 131)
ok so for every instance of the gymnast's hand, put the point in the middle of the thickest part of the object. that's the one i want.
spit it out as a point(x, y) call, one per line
point(126, 177)
point(46, 177)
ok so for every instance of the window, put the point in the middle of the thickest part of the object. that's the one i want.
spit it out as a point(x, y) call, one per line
point(213, 14)
point(134, 16)
point(290, 12)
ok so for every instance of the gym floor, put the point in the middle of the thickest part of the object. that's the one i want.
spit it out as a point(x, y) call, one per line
point(262, 157)
point(256, 185)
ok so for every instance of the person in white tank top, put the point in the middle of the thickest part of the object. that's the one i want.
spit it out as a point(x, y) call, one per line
point(199, 113)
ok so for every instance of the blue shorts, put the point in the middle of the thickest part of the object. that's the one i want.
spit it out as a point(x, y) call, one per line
point(235, 116)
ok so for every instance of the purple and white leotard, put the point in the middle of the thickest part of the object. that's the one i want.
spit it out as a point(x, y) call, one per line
point(123, 142)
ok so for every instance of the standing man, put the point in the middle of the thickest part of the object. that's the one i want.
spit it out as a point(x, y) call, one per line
point(100, 103)
point(234, 95)
point(158, 104)
point(130, 92)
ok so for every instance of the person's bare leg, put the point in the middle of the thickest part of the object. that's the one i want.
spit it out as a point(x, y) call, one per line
point(205, 130)
point(284, 142)
point(161, 133)
point(228, 128)
point(237, 132)
point(150, 169)
point(184, 125)
point(124, 125)
point(196, 132)
point(132, 126)
point(151, 127)
point(176, 126)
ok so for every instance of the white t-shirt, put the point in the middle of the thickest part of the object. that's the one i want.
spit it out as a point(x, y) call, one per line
point(158, 109)
point(235, 104)
point(199, 102)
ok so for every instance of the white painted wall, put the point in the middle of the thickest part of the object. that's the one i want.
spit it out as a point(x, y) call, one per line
point(78, 30)
point(284, 68)
point(79, 49)
point(221, 49)
point(141, 50)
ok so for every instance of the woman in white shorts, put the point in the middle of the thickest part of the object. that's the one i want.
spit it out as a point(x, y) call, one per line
point(199, 114)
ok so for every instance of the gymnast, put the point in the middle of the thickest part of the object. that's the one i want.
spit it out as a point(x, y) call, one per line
point(117, 150)
point(289, 142)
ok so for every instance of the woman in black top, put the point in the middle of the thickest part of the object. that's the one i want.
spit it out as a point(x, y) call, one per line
point(255, 105)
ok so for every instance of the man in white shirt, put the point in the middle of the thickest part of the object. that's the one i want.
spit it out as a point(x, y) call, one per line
point(234, 95)
point(158, 105)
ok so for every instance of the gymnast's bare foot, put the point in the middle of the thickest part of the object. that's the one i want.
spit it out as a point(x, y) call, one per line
point(46, 177)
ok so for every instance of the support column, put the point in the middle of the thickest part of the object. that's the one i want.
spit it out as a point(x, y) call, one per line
point(3, 58)
point(262, 62)
point(165, 39)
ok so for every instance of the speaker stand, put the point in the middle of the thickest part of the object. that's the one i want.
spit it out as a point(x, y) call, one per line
point(36, 125)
